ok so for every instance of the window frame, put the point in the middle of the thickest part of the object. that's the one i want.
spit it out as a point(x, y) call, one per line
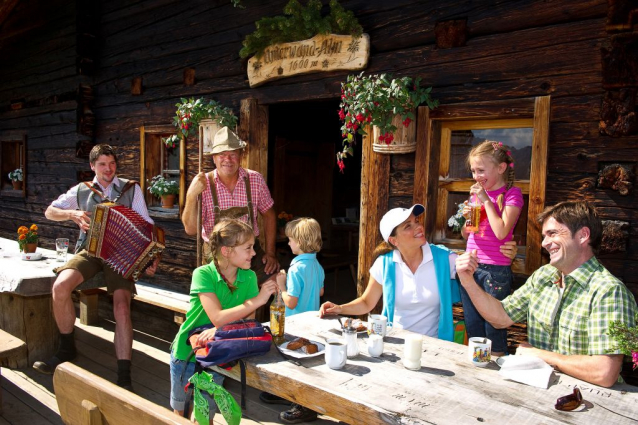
point(22, 142)
point(161, 130)
point(432, 158)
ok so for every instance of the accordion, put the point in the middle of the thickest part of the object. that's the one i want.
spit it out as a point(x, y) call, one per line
point(123, 239)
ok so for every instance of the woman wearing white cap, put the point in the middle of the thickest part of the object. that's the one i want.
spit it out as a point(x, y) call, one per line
point(416, 279)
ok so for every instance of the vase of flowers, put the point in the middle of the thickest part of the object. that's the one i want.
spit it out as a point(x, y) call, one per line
point(16, 177)
point(282, 219)
point(28, 238)
point(189, 114)
point(164, 189)
point(626, 339)
point(386, 103)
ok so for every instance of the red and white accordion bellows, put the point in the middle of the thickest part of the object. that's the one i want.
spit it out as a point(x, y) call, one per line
point(123, 239)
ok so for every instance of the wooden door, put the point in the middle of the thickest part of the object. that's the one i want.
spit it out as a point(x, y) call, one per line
point(303, 179)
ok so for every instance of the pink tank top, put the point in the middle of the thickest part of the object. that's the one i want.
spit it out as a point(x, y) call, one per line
point(485, 241)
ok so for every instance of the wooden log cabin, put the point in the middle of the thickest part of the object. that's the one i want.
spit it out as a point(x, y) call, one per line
point(77, 73)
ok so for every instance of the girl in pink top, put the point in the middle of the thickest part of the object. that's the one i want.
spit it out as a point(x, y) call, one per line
point(492, 167)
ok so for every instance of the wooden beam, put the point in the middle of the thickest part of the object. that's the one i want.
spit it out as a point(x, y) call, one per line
point(253, 128)
point(375, 178)
point(538, 179)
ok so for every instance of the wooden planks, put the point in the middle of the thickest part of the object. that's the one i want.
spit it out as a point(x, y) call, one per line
point(10, 346)
point(75, 386)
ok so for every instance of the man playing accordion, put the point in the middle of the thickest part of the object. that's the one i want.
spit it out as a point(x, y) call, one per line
point(77, 205)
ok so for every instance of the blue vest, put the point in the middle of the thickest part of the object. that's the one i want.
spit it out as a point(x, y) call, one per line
point(448, 289)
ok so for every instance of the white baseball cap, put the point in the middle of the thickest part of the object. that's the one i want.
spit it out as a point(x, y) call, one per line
point(396, 216)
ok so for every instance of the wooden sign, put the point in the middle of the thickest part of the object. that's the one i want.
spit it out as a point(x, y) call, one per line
point(320, 53)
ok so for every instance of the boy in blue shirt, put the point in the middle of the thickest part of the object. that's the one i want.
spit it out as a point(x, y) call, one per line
point(302, 287)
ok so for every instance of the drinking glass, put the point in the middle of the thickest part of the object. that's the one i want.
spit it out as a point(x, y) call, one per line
point(61, 248)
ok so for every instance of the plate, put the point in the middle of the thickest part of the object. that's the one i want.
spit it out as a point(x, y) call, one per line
point(300, 354)
point(32, 256)
point(356, 323)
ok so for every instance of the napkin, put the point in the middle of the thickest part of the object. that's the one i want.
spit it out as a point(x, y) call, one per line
point(529, 370)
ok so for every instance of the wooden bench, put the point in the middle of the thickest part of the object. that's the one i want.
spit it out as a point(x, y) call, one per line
point(85, 398)
point(10, 346)
point(146, 293)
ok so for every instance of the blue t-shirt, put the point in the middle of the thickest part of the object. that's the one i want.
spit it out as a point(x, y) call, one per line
point(304, 281)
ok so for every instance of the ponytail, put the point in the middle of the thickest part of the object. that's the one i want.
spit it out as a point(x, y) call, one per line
point(382, 249)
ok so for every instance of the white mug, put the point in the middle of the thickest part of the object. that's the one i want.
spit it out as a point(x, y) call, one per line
point(336, 353)
point(479, 351)
point(375, 345)
point(378, 324)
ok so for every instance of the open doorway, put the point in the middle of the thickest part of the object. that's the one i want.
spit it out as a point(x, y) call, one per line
point(305, 181)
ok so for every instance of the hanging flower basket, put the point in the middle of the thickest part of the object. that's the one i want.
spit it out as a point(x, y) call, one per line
point(191, 112)
point(403, 139)
point(386, 103)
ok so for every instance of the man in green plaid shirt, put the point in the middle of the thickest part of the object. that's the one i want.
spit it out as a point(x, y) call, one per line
point(568, 304)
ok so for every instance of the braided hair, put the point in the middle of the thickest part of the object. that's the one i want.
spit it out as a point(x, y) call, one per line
point(498, 153)
point(229, 233)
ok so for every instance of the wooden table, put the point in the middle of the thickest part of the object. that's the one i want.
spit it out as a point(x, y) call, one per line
point(447, 389)
point(25, 302)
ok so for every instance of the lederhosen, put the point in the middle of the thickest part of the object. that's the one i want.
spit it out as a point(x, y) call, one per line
point(256, 264)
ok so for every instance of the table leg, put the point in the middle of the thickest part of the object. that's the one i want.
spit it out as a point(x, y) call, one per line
point(31, 320)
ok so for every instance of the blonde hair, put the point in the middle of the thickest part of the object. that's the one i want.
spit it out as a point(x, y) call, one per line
point(498, 153)
point(307, 232)
point(229, 233)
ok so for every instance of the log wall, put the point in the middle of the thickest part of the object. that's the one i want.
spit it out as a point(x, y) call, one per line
point(513, 49)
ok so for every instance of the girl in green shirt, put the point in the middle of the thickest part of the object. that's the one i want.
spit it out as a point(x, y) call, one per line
point(221, 292)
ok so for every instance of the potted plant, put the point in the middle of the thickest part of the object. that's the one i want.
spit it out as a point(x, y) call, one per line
point(386, 103)
point(16, 178)
point(299, 23)
point(457, 221)
point(164, 189)
point(626, 339)
point(190, 114)
point(28, 238)
point(282, 219)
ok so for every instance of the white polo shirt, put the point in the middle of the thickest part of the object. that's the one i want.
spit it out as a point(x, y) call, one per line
point(416, 298)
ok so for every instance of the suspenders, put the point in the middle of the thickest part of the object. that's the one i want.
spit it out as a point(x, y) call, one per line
point(232, 211)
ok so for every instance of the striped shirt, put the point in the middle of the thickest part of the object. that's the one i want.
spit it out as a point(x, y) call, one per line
point(259, 193)
point(485, 241)
point(576, 321)
point(69, 200)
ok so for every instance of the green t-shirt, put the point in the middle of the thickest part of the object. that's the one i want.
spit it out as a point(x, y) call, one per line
point(206, 279)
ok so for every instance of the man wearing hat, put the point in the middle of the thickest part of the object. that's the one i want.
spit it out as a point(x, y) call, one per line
point(231, 191)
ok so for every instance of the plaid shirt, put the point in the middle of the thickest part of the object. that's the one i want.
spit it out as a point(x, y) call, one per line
point(258, 190)
point(578, 322)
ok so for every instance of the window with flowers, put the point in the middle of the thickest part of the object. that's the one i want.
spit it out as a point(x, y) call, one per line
point(13, 167)
point(447, 186)
point(160, 158)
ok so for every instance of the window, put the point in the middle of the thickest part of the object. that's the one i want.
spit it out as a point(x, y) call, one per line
point(452, 131)
point(12, 157)
point(156, 158)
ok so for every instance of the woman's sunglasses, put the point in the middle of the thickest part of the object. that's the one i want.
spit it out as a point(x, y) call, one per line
point(569, 402)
